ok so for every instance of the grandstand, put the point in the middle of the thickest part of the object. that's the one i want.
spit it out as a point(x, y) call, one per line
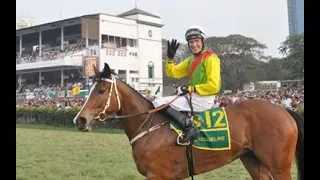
point(63, 52)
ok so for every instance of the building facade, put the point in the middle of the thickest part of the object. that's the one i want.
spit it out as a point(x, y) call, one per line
point(296, 16)
point(24, 22)
point(130, 43)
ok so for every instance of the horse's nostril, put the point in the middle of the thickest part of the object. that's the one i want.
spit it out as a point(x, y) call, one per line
point(82, 121)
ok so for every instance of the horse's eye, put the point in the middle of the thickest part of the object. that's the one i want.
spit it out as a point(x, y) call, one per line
point(101, 91)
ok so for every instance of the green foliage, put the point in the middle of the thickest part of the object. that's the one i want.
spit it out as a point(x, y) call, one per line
point(51, 115)
point(293, 49)
point(274, 70)
point(241, 59)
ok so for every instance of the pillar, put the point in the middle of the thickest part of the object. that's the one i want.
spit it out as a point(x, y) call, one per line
point(62, 83)
point(40, 43)
point(87, 34)
point(62, 38)
point(40, 78)
point(100, 43)
point(20, 45)
point(128, 77)
point(20, 80)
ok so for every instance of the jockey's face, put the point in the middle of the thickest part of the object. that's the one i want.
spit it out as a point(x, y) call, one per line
point(195, 45)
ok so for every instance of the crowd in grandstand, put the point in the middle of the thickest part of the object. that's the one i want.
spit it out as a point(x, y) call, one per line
point(287, 97)
point(48, 52)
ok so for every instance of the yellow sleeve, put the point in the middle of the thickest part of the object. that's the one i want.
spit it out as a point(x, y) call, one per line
point(177, 71)
point(213, 84)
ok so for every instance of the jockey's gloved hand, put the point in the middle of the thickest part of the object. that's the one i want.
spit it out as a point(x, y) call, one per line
point(183, 89)
point(172, 48)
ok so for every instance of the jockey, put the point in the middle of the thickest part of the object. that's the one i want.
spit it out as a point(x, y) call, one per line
point(204, 81)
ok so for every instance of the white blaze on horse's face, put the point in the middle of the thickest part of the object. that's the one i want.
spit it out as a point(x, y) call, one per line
point(77, 116)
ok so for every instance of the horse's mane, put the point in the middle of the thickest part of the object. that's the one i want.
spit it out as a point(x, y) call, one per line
point(137, 93)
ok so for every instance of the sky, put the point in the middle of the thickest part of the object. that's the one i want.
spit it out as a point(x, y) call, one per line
point(265, 21)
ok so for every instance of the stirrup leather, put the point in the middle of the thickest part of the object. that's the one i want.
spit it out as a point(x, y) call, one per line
point(182, 143)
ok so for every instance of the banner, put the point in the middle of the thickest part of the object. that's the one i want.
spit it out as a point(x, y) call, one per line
point(53, 94)
point(88, 63)
point(61, 94)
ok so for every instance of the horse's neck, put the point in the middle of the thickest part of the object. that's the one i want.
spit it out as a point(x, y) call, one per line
point(132, 103)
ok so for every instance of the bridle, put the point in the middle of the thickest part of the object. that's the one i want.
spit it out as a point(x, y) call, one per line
point(103, 112)
point(102, 116)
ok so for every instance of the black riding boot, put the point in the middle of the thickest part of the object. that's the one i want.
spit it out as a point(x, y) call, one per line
point(184, 123)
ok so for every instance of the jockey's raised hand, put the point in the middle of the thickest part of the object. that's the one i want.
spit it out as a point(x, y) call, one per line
point(172, 48)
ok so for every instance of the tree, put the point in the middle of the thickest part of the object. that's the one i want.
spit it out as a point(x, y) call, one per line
point(241, 59)
point(293, 49)
point(274, 70)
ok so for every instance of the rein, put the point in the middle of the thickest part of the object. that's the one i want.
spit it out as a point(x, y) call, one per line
point(139, 114)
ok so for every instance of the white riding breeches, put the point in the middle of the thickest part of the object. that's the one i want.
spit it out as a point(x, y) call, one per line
point(199, 103)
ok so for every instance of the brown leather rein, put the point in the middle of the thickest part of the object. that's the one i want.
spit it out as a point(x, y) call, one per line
point(139, 114)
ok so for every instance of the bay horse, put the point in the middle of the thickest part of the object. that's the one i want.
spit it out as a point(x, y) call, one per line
point(266, 137)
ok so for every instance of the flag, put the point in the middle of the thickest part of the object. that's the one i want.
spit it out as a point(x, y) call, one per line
point(157, 91)
point(20, 89)
point(65, 92)
point(76, 90)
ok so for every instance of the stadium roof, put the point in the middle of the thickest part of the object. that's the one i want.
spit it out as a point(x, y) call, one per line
point(56, 24)
point(73, 20)
point(137, 11)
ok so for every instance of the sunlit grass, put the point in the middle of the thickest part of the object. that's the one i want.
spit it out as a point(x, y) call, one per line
point(45, 152)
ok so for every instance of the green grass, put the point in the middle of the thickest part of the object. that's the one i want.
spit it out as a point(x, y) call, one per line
point(68, 128)
point(45, 152)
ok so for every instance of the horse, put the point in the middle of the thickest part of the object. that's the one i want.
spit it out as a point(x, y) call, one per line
point(265, 137)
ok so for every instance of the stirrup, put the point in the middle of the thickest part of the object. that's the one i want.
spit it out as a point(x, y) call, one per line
point(182, 143)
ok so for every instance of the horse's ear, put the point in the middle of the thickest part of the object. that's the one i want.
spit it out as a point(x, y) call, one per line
point(106, 70)
point(96, 72)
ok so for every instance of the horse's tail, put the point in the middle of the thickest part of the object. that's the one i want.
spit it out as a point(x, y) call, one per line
point(300, 144)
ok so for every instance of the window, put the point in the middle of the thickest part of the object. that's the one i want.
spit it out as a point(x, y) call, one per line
point(104, 38)
point(135, 43)
point(118, 42)
point(133, 72)
point(130, 42)
point(111, 39)
point(123, 42)
point(150, 69)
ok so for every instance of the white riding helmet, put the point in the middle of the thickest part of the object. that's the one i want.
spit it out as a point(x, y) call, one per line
point(194, 32)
